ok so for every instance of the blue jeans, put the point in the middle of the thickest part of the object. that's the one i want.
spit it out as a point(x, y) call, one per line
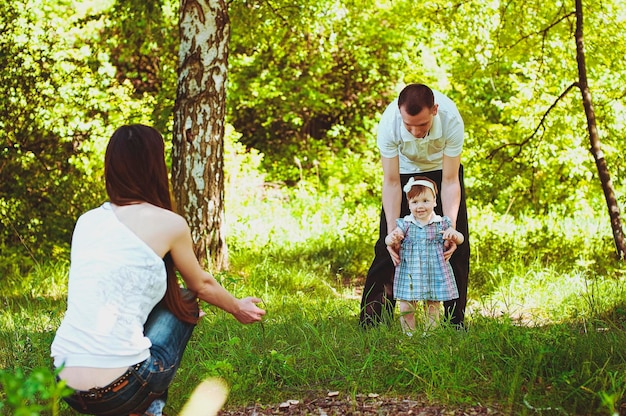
point(135, 390)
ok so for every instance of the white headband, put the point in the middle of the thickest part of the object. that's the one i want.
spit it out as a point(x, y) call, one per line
point(411, 183)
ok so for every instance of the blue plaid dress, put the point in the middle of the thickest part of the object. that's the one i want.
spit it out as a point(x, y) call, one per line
point(423, 273)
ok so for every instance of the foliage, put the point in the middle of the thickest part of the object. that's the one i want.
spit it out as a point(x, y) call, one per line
point(526, 241)
point(62, 103)
point(506, 66)
point(141, 39)
point(526, 143)
point(313, 223)
point(42, 134)
point(319, 93)
point(32, 394)
point(307, 83)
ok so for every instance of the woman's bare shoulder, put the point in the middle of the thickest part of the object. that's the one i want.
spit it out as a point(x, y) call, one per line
point(167, 218)
point(147, 217)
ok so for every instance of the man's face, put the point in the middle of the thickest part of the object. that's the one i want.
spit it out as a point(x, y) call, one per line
point(419, 124)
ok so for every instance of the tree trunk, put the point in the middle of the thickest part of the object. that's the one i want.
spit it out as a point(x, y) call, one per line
point(596, 151)
point(198, 142)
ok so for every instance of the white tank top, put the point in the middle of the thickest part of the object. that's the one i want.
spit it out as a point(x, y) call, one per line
point(115, 281)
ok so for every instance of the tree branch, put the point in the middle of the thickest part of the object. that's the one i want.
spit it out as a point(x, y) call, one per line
point(528, 138)
point(542, 31)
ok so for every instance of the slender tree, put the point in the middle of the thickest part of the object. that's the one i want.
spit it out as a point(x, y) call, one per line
point(594, 138)
point(198, 142)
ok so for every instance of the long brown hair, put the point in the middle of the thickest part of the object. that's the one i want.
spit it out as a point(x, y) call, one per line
point(135, 171)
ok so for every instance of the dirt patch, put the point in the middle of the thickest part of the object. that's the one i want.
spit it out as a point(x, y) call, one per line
point(361, 406)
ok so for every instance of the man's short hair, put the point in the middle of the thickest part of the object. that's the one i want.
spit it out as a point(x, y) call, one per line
point(415, 97)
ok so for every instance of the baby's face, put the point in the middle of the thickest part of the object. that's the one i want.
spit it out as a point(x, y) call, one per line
point(423, 204)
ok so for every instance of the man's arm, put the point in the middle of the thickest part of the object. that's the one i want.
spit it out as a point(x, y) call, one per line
point(451, 187)
point(392, 191)
point(392, 200)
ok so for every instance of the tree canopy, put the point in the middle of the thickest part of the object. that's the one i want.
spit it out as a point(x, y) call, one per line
point(307, 82)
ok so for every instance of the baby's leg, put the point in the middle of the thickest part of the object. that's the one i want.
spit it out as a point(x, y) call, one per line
point(407, 316)
point(433, 312)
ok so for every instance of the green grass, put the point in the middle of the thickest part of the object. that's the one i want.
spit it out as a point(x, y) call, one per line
point(546, 325)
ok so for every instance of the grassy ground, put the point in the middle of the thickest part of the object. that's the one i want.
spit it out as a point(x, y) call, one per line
point(546, 321)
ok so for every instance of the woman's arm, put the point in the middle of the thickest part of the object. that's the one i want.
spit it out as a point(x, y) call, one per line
point(201, 282)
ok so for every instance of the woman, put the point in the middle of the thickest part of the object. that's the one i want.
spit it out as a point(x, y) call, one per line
point(127, 321)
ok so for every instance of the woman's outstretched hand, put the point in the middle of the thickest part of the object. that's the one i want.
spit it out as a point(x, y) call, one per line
point(248, 312)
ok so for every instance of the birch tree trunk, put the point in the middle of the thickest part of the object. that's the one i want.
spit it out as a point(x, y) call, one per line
point(596, 150)
point(198, 142)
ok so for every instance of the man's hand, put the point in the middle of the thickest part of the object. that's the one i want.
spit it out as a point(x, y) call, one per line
point(394, 253)
point(449, 247)
point(393, 241)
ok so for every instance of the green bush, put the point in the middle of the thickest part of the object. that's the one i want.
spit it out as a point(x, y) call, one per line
point(31, 394)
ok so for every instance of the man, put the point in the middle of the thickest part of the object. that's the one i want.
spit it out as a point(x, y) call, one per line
point(421, 132)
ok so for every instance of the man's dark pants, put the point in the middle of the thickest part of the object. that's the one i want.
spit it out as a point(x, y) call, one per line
point(377, 303)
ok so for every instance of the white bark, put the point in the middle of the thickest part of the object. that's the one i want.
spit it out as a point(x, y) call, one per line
point(197, 154)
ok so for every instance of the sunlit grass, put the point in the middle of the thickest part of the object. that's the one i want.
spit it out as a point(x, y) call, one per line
point(546, 324)
point(543, 295)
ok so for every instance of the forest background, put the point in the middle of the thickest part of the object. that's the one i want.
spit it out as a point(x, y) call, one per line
point(307, 82)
